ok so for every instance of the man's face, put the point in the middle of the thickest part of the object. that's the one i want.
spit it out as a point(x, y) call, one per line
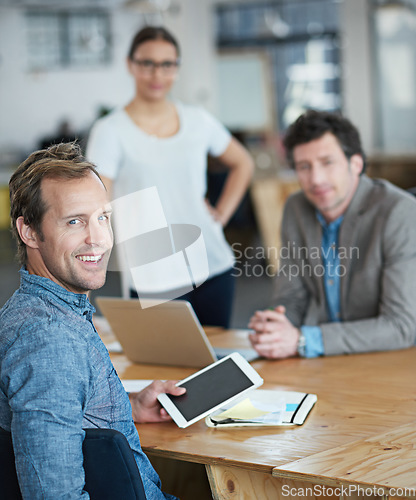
point(328, 179)
point(77, 236)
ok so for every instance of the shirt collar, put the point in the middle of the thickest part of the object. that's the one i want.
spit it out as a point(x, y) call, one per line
point(331, 226)
point(38, 285)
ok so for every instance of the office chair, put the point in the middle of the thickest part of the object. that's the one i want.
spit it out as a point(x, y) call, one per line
point(111, 471)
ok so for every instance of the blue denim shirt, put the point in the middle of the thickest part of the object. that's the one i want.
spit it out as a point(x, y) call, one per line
point(56, 378)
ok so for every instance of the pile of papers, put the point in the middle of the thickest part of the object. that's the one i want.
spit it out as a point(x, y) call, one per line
point(264, 407)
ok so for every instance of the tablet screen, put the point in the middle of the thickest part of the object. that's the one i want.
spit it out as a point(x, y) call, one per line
point(210, 389)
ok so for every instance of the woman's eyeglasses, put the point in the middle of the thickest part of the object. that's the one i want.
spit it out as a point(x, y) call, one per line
point(149, 66)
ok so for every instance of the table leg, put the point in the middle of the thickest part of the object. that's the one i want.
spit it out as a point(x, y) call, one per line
point(186, 480)
point(231, 483)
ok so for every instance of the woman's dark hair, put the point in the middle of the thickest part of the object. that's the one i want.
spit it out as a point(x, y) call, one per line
point(314, 124)
point(152, 33)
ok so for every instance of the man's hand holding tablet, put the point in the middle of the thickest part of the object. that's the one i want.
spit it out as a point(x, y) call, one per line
point(210, 388)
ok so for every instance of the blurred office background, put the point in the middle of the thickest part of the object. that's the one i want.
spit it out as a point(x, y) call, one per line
point(255, 64)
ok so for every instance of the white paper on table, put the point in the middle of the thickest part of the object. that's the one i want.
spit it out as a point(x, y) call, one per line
point(135, 385)
point(114, 347)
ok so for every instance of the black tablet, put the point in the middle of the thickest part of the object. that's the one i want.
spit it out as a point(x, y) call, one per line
point(210, 388)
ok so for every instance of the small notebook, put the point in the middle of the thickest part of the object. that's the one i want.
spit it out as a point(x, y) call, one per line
point(265, 407)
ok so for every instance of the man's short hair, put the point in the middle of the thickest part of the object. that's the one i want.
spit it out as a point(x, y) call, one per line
point(61, 161)
point(313, 125)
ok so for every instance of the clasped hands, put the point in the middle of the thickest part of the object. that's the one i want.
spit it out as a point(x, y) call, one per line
point(275, 337)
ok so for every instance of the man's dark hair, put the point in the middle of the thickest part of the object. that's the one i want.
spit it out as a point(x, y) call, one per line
point(151, 33)
point(313, 125)
point(62, 161)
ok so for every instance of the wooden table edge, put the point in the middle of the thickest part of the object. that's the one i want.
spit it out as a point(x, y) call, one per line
point(214, 461)
point(283, 471)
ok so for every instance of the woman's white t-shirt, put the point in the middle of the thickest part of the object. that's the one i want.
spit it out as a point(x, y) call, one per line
point(176, 166)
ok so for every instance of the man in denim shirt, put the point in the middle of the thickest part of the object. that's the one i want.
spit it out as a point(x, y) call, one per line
point(346, 282)
point(56, 377)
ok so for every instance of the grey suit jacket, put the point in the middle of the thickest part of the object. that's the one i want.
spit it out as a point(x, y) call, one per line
point(377, 246)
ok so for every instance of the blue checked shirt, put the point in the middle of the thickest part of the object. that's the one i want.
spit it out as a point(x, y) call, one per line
point(56, 378)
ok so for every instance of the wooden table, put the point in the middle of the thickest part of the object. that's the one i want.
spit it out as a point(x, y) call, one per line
point(362, 430)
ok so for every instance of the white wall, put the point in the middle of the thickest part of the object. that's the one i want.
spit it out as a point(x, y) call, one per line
point(197, 82)
point(357, 69)
point(32, 104)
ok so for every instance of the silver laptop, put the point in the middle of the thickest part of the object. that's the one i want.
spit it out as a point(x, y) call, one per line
point(164, 334)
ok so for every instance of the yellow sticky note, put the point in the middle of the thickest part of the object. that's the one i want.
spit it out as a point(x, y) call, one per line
point(243, 411)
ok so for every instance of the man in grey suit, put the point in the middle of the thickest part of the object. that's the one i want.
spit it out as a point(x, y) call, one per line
point(347, 275)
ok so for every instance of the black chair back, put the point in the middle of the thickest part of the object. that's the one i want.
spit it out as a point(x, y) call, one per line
point(111, 471)
point(8, 478)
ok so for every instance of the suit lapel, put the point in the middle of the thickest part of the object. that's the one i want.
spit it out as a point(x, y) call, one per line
point(349, 231)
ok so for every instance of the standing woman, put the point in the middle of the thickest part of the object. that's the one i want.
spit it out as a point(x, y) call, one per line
point(154, 141)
